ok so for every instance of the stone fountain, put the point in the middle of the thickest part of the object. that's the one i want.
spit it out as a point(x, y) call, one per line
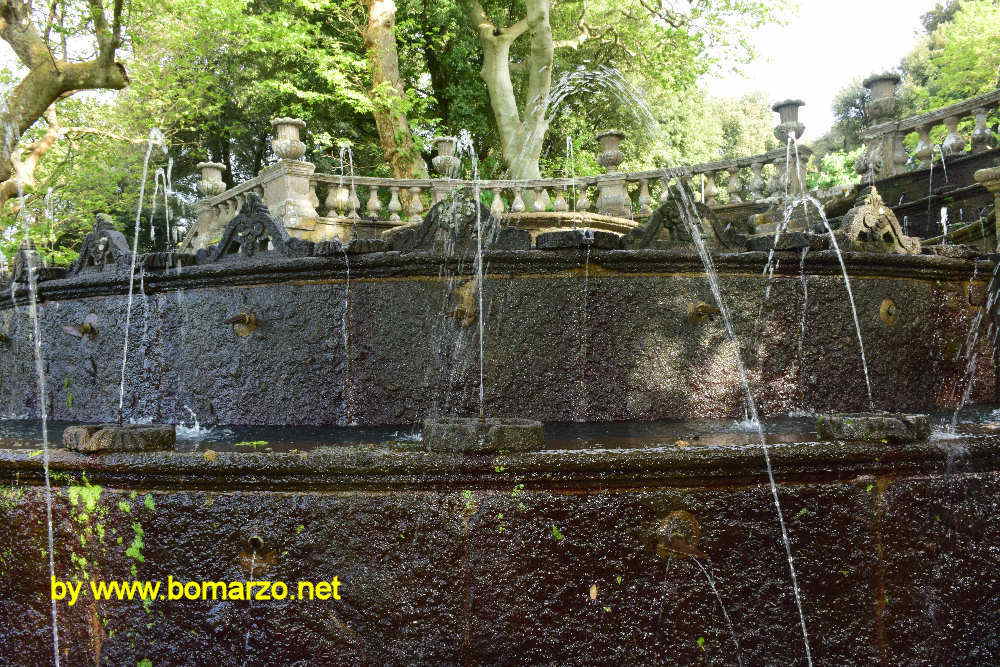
point(497, 536)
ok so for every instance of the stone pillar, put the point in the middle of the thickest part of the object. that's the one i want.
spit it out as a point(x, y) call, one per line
point(885, 155)
point(612, 197)
point(287, 194)
point(990, 179)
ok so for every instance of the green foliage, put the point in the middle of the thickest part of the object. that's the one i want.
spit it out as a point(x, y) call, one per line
point(959, 59)
point(834, 168)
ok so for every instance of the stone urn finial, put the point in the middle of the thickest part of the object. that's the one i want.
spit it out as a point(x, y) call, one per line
point(211, 183)
point(883, 88)
point(446, 163)
point(611, 155)
point(286, 142)
point(788, 120)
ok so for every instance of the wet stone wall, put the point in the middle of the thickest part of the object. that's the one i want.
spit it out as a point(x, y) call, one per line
point(528, 559)
point(570, 335)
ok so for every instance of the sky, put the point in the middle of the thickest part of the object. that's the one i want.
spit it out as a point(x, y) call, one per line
point(825, 47)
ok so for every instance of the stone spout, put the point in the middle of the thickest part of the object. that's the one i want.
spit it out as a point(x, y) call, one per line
point(243, 324)
point(86, 328)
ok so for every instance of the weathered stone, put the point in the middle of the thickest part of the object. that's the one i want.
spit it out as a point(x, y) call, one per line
point(365, 246)
point(102, 248)
point(667, 229)
point(469, 435)
point(953, 250)
point(873, 426)
point(300, 247)
point(451, 226)
point(578, 238)
point(157, 261)
point(788, 241)
point(93, 439)
point(512, 238)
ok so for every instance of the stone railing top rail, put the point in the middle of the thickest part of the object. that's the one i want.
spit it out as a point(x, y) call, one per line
point(669, 172)
point(914, 123)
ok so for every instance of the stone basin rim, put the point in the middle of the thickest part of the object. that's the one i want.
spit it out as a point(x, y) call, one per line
point(353, 467)
point(426, 264)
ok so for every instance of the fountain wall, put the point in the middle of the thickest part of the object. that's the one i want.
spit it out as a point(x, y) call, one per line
point(574, 334)
point(567, 557)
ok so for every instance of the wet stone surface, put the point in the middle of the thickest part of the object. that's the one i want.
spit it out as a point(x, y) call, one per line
point(874, 426)
point(471, 435)
point(119, 438)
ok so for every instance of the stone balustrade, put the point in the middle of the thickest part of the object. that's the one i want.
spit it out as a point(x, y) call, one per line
point(319, 206)
point(886, 153)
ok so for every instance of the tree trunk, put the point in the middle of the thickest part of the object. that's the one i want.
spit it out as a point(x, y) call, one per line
point(522, 128)
point(388, 92)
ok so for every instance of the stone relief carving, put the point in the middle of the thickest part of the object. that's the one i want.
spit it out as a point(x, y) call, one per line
point(252, 232)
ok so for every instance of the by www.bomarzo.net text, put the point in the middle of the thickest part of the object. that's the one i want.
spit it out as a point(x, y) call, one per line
point(172, 589)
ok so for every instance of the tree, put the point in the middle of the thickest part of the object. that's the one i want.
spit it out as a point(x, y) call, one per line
point(671, 44)
point(388, 93)
point(33, 37)
point(959, 59)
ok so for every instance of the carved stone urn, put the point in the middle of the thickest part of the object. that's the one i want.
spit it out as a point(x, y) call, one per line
point(211, 182)
point(286, 143)
point(788, 120)
point(883, 89)
point(611, 155)
point(445, 162)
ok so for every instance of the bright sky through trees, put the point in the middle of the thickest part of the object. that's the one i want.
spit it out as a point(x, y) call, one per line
point(823, 48)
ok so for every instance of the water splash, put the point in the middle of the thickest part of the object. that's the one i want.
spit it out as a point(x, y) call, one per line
point(155, 139)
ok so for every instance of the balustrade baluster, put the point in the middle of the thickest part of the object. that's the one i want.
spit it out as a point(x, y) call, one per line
point(415, 207)
point(496, 206)
point(710, 192)
point(540, 200)
point(374, 204)
point(665, 189)
point(331, 201)
point(982, 138)
point(734, 185)
point(644, 200)
point(354, 204)
point(924, 150)
point(560, 203)
point(517, 206)
point(394, 205)
point(777, 182)
point(583, 201)
point(757, 183)
point(954, 143)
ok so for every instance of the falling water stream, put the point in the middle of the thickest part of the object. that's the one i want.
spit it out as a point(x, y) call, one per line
point(971, 344)
point(32, 276)
point(687, 211)
point(805, 201)
point(155, 139)
point(732, 629)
